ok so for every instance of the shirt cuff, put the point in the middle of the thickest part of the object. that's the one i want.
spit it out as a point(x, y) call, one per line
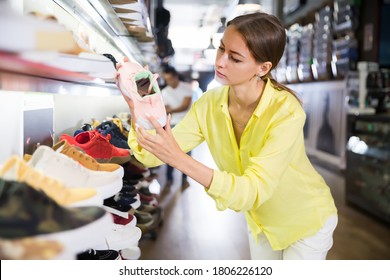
point(216, 187)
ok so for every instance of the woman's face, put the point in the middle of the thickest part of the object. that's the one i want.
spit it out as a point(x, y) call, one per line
point(234, 64)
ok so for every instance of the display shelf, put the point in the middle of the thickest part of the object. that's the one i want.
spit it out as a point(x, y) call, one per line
point(101, 17)
point(26, 83)
point(368, 164)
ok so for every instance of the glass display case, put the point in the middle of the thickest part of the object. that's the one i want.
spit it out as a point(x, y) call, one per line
point(368, 164)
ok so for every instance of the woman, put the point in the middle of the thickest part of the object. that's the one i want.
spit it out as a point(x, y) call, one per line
point(254, 129)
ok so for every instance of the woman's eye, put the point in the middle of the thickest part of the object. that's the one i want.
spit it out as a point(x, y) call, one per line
point(234, 60)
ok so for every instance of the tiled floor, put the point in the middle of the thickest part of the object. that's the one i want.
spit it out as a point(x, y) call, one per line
point(194, 229)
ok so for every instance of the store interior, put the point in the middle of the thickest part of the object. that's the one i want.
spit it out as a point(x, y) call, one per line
point(57, 81)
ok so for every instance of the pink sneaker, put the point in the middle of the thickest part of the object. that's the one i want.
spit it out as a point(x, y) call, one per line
point(140, 85)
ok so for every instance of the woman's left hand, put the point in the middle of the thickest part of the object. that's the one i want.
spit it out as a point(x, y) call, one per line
point(163, 145)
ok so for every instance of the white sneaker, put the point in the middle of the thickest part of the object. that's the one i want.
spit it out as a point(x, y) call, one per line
point(122, 237)
point(132, 253)
point(72, 174)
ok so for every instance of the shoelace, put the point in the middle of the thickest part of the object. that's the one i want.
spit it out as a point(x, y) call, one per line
point(83, 157)
point(106, 138)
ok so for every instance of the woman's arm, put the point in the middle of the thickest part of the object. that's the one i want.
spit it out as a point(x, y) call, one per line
point(164, 146)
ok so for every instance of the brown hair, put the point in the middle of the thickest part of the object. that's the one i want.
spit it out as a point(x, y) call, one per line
point(265, 37)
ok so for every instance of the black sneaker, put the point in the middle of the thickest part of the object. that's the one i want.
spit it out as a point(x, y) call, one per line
point(27, 212)
point(129, 188)
point(122, 205)
point(85, 127)
point(125, 198)
point(92, 254)
point(117, 138)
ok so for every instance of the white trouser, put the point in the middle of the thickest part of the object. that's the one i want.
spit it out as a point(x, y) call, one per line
point(314, 247)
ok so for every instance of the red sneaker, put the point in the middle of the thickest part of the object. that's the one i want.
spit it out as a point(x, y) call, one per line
point(99, 147)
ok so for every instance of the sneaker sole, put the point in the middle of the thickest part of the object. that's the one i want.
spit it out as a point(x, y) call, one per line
point(106, 191)
point(116, 212)
point(133, 253)
point(82, 238)
point(117, 160)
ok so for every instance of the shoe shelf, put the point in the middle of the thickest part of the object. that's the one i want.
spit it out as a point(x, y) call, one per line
point(101, 17)
point(104, 25)
point(98, 28)
point(23, 82)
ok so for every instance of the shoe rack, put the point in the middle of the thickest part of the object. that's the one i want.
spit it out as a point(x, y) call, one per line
point(125, 29)
point(68, 98)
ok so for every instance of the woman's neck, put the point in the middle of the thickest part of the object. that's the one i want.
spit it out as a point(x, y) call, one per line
point(246, 97)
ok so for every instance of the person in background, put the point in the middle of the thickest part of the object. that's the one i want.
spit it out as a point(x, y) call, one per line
point(197, 92)
point(253, 126)
point(177, 96)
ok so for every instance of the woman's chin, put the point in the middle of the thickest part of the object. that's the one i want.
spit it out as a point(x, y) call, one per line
point(220, 80)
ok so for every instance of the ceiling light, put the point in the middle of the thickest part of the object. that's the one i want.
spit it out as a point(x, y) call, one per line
point(248, 6)
point(210, 52)
point(242, 2)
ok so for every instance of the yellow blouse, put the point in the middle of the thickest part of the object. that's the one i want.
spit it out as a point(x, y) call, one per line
point(269, 177)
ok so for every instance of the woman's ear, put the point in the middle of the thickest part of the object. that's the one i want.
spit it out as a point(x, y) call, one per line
point(264, 68)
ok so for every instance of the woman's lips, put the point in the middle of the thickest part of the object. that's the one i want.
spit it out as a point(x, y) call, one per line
point(219, 74)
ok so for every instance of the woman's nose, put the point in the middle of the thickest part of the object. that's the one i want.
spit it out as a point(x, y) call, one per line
point(220, 60)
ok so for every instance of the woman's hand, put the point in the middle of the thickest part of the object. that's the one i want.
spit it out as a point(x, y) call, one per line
point(163, 145)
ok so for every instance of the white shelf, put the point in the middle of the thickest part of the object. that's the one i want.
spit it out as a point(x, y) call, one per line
point(25, 83)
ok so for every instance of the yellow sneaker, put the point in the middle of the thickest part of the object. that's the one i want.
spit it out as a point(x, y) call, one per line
point(119, 124)
point(95, 123)
point(16, 169)
point(87, 161)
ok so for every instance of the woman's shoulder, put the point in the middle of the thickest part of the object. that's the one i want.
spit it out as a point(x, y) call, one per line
point(215, 94)
point(284, 98)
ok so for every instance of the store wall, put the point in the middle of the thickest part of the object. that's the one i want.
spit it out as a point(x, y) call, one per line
point(11, 125)
point(72, 111)
point(325, 126)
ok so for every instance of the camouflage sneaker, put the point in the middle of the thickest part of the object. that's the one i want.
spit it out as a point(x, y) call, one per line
point(29, 249)
point(27, 212)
